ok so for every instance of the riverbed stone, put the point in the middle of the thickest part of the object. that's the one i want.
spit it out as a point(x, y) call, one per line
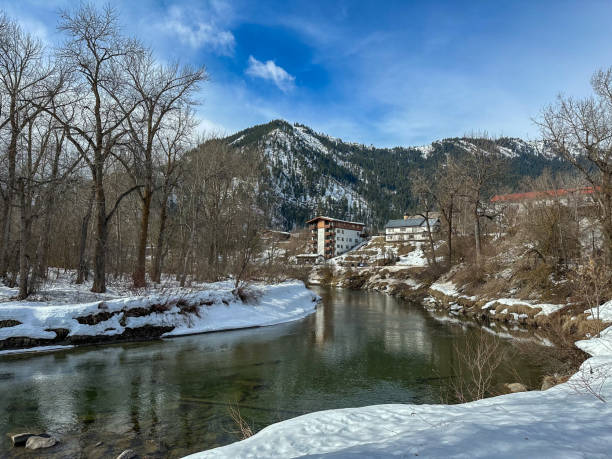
point(516, 387)
point(20, 439)
point(40, 441)
point(128, 454)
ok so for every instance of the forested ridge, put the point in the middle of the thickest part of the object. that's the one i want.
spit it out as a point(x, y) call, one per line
point(312, 173)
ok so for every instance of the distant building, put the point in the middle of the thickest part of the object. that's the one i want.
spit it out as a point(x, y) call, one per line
point(411, 228)
point(332, 237)
point(579, 197)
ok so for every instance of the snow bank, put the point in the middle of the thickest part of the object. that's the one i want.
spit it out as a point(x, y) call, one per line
point(564, 421)
point(546, 308)
point(213, 309)
point(278, 304)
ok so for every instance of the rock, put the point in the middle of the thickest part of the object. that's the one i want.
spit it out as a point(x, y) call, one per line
point(516, 387)
point(20, 439)
point(40, 441)
point(551, 381)
point(127, 454)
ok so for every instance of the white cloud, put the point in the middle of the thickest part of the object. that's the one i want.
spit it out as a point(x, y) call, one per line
point(198, 33)
point(270, 71)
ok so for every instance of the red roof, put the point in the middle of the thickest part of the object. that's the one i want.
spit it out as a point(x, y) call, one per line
point(540, 194)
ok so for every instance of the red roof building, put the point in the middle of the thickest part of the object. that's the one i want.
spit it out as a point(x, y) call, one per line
point(542, 195)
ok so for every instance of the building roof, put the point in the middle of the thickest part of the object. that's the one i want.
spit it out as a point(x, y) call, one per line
point(333, 220)
point(516, 197)
point(409, 222)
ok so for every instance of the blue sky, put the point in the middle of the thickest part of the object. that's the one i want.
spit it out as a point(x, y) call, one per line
point(376, 72)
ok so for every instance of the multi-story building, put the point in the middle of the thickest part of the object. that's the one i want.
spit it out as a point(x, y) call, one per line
point(411, 228)
point(332, 237)
point(571, 197)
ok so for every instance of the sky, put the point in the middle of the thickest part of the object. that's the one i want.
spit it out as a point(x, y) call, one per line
point(381, 73)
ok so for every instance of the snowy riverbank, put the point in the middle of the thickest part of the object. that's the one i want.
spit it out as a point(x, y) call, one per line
point(215, 307)
point(570, 420)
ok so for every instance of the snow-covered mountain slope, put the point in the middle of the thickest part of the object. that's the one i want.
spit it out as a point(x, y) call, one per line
point(312, 173)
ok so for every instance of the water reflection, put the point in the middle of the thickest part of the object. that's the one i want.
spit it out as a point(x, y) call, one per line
point(170, 398)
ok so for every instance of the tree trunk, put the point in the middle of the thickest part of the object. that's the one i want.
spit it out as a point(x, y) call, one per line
point(10, 192)
point(159, 247)
point(431, 242)
point(99, 282)
point(139, 272)
point(43, 248)
point(82, 266)
point(477, 235)
point(24, 239)
point(449, 235)
point(6, 233)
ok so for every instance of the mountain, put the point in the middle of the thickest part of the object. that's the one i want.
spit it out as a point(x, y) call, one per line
point(310, 173)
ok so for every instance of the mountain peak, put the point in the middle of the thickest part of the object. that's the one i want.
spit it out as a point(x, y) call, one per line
point(312, 173)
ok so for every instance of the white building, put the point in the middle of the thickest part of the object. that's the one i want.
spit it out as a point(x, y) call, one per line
point(332, 237)
point(411, 228)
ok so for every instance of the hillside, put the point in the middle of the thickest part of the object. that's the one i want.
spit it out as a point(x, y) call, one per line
point(312, 173)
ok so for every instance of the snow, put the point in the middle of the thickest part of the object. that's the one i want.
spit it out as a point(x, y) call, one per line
point(37, 349)
point(447, 288)
point(605, 312)
point(546, 308)
point(217, 309)
point(414, 258)
point(566, 421)
point(425, 150)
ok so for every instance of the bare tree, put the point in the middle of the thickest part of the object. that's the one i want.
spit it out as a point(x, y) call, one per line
point(580, 132)
point(97, 105)
point(423, 190)
point(173, 142)
point(23, 83)
point(479, 170)
point(163, 90)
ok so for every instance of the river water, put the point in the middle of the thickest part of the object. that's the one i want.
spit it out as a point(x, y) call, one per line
point(171, 397)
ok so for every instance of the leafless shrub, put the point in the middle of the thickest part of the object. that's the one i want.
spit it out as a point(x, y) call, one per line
point(247, 293)
point(590, 380)
point(478, 361)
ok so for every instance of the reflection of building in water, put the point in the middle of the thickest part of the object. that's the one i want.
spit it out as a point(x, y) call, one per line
point(320, 333)
point(399, 327)
point(406, 331)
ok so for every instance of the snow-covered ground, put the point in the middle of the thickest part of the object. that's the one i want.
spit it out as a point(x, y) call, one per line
point(571, 420)
point(415, 258)
point(546, 308)
point(213, 308)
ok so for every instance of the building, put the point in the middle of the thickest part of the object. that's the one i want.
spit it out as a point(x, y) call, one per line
point(332, 237)
point(571, 197)
point(411, 228)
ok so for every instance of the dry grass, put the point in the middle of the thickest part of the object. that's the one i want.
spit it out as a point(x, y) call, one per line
point(244, 429)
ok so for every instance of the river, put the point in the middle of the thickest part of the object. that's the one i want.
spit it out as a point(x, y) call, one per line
point(171, 397)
